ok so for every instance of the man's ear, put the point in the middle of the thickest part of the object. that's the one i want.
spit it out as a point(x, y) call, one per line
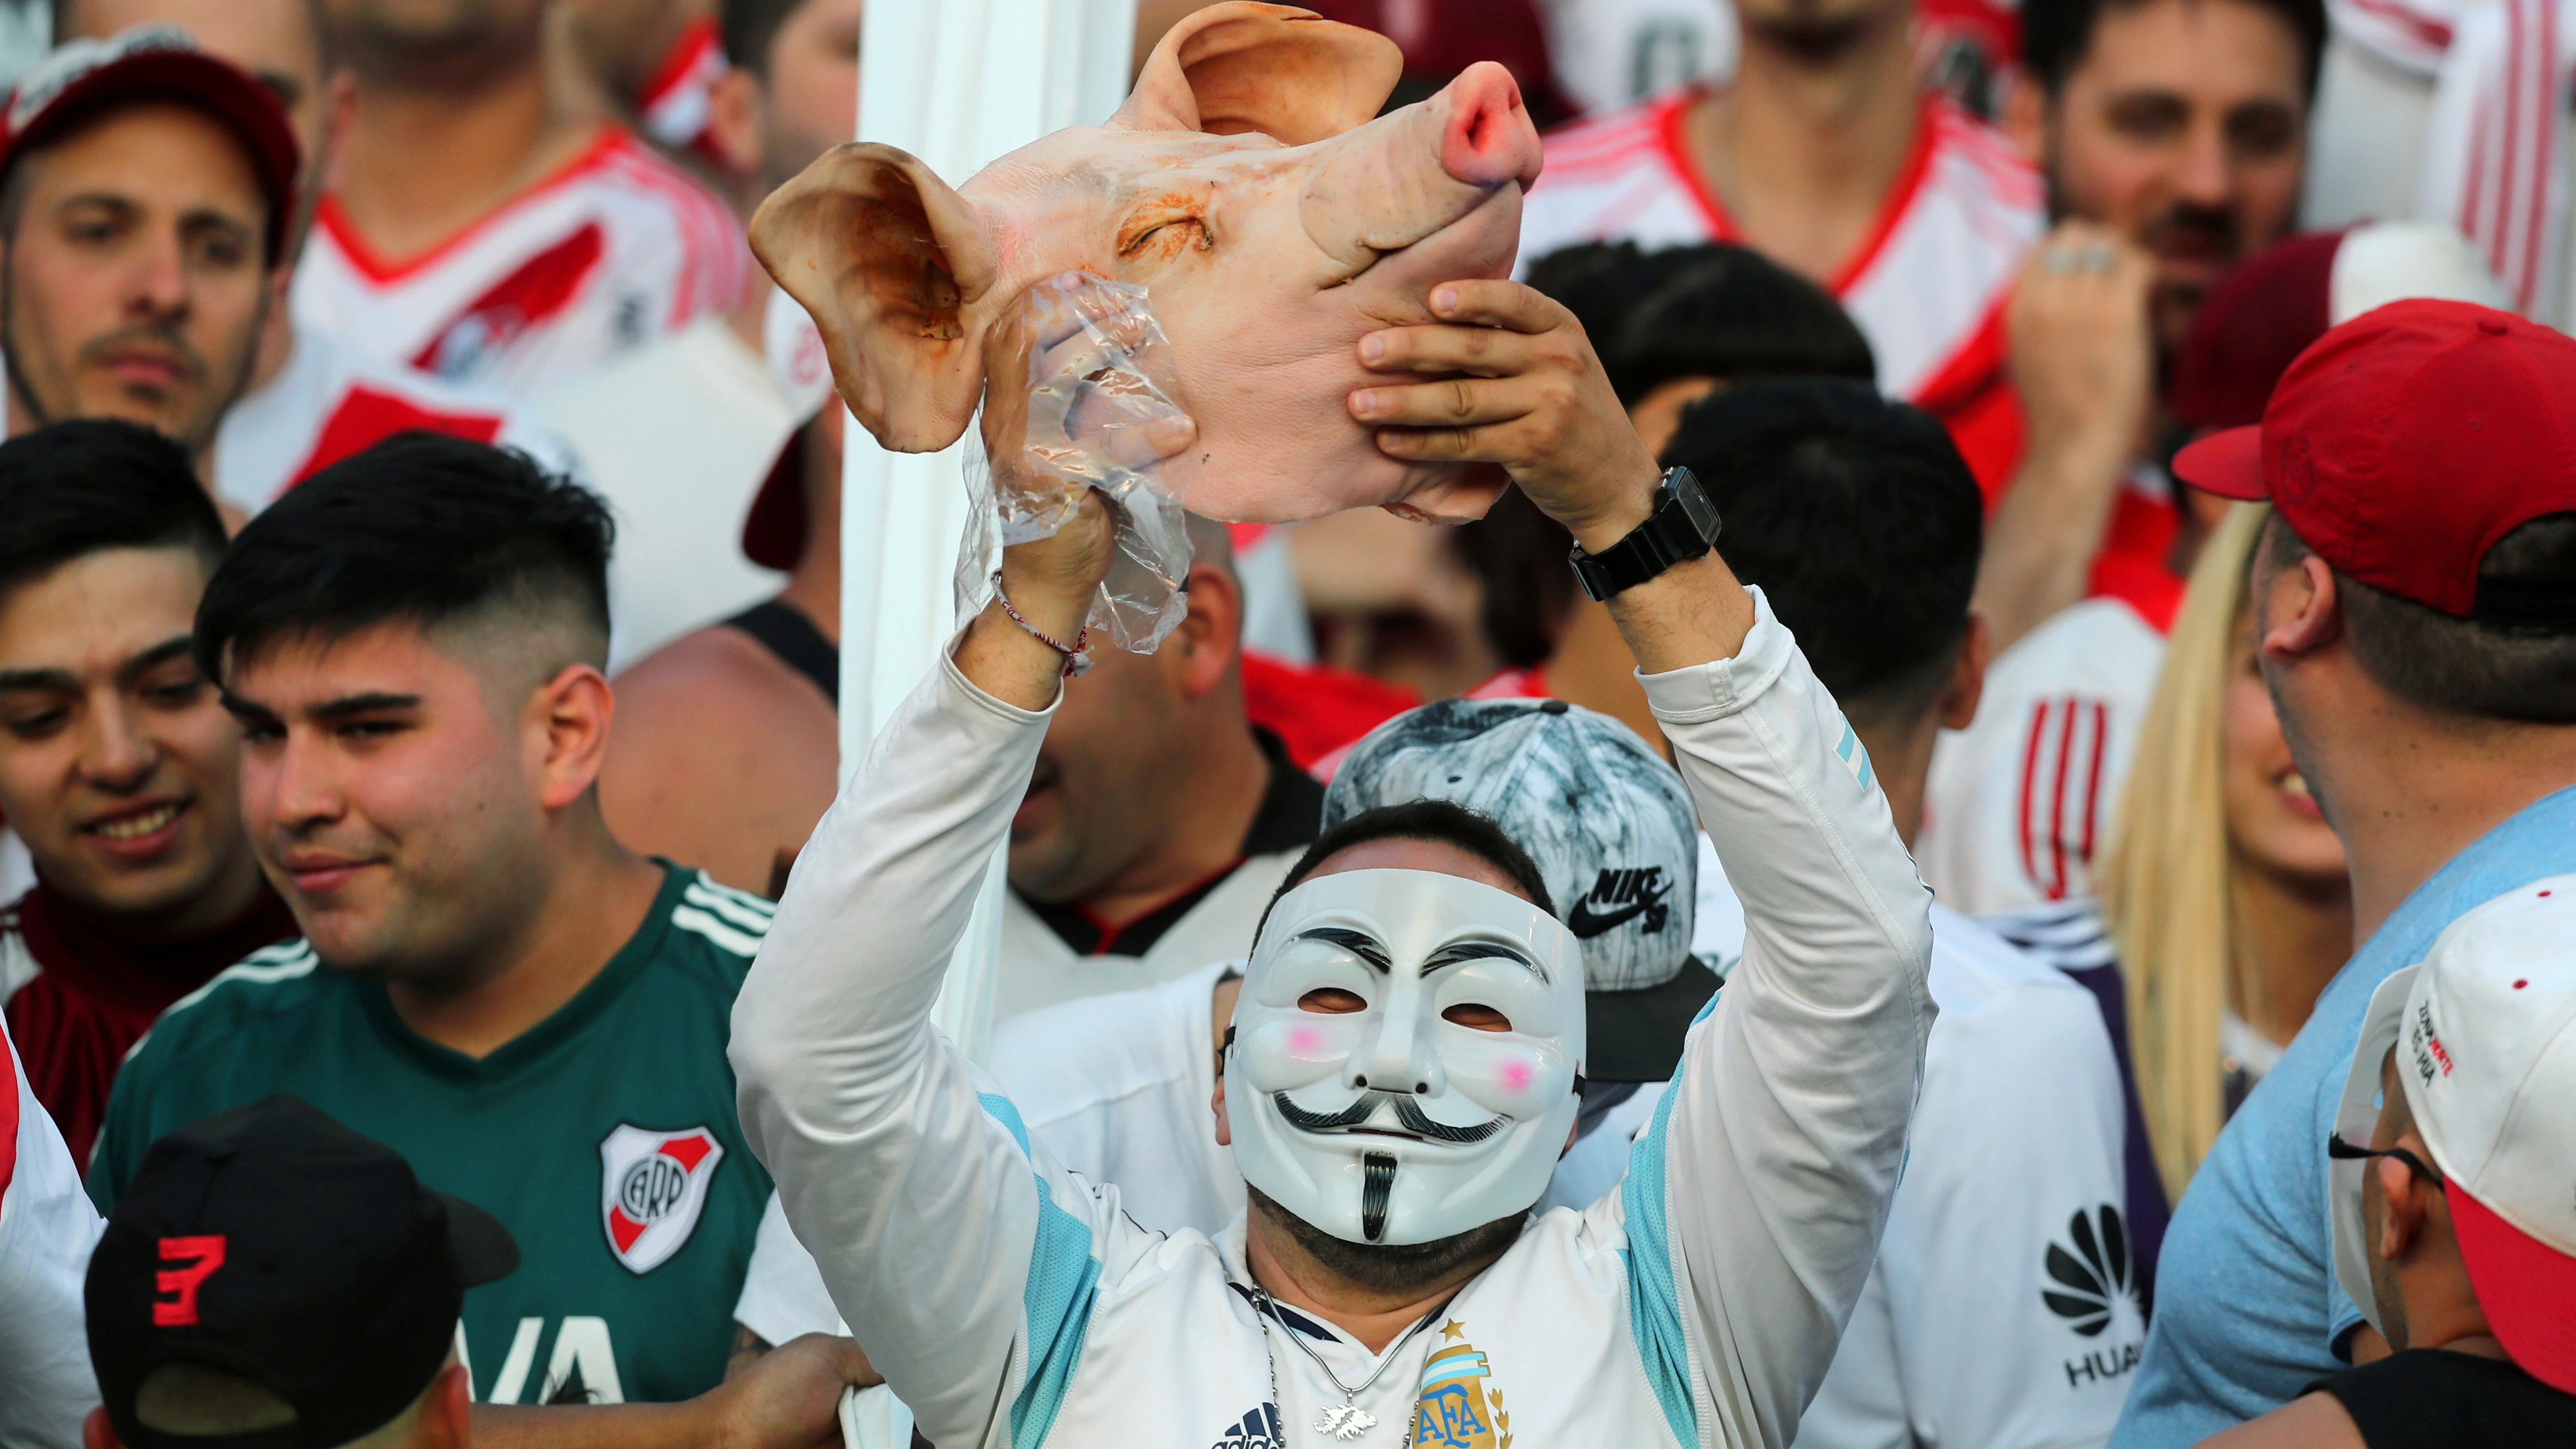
point(734, 121)
point(890, 262)
point(574, 708)
point(1212, 632)
point(2406, 1198)
point(1967, 686)
point(2025, 117)
point(1286, 73)
point(445, 1411)
point(1216, 1104)
point(97, 1433)
point(2299, 609)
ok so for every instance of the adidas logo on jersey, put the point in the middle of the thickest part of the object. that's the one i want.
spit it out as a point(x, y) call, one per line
point(1259, 1430)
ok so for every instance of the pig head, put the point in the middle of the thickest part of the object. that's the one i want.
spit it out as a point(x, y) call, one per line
point(1251, 188)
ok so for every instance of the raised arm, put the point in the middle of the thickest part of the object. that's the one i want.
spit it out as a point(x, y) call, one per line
point(913, 1186)
point(1754, 1204)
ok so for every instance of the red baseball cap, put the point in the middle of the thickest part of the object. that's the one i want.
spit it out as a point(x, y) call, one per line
point(84, 78)
point(2404, 443)
point(2257, 321)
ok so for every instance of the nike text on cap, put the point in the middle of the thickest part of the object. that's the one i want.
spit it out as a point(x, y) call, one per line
point(85, 78)
point(1612, 830)
point(2485, 1032)
point(2404, 443)
point(274, 1244)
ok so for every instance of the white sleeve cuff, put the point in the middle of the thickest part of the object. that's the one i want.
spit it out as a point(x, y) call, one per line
point(1703, 692)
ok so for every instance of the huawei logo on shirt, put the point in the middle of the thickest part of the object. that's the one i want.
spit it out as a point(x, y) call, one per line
point(2089, 1286)
point(1619, 896)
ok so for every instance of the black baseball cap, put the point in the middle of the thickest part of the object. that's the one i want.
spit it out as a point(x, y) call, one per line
point(274, 1244)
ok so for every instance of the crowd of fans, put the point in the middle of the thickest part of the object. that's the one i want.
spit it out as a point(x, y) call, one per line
point(2050, 922)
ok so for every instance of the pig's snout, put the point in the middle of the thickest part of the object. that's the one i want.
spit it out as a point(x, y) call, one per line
point(1488, 139)
point(1413, 173)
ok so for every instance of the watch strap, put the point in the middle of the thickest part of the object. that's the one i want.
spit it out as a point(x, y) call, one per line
point(1684, 525)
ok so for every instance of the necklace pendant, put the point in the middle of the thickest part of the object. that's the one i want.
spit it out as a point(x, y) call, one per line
point(1344, 1421)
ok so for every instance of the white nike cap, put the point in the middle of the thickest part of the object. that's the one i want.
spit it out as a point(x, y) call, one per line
point(2485, 1031)
point(1611, 828)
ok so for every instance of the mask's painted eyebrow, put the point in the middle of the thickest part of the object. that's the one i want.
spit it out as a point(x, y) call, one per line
point(1358, 943)
point(1458, 953)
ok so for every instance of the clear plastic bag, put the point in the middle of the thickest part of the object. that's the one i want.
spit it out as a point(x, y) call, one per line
point(1097, 412)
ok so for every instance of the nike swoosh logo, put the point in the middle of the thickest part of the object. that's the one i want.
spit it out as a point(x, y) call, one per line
point(1585, 924)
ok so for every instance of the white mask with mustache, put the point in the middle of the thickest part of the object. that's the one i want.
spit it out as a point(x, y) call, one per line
point(1395, 1124)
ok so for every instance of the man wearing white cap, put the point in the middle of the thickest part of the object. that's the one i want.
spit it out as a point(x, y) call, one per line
point(2454, 1226)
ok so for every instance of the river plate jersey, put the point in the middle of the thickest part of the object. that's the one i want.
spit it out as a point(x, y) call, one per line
point(603, 1138)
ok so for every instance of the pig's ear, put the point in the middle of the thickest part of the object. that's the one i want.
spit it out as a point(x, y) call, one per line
point(1289, 74)
point(890, 262)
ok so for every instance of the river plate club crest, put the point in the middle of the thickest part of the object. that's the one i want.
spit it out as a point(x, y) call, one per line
point(652, 1185)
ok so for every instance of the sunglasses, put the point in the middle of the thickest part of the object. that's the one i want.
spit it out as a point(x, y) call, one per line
point(2344, 1151)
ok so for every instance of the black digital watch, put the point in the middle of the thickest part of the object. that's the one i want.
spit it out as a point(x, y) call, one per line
point(1684, 526)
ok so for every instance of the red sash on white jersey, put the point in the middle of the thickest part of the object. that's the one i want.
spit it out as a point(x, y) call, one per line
point(329, 402)
point(616, 249)
point(1926, 286)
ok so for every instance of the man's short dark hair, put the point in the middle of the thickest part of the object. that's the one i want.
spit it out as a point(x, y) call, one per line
point(2056, 35)
point(2524, 673)
point(1444, 821)
point(77, 488)
point(1857, 518)
point(1711, 310)
point(422, 527)
point(1715, 311)
point(748, 30)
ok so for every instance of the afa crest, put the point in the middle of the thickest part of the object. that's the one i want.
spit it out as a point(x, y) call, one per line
point(652, 1186)
point(1458, 1407)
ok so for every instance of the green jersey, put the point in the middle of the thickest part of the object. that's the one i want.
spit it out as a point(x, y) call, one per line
point(603, 1138)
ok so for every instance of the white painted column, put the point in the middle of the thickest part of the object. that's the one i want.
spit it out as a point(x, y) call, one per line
point(956, 83)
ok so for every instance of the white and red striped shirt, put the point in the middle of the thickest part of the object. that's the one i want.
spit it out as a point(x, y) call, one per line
point(1927, 286)
point(617, 248)
point(47, 1228)
point(329, 401)
point(2019, 803)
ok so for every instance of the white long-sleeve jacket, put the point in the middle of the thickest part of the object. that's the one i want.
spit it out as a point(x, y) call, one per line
point(1008, 1301)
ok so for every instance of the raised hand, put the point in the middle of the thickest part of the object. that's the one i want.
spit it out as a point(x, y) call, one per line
point(1517, 383)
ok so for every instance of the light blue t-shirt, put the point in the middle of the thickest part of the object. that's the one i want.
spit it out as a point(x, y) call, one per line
point(2246, 1302)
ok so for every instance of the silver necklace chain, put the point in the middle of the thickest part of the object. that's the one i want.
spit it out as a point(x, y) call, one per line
point(1352, 1422)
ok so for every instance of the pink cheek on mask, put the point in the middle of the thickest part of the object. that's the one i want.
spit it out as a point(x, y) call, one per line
point(1516, 1076)
point(1305, 1043)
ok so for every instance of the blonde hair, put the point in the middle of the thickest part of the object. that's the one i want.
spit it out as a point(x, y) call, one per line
point(2168, 873)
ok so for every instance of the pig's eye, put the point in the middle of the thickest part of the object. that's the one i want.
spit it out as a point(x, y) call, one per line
point(1165, 234)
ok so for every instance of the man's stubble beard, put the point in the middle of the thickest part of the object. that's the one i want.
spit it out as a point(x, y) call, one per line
point(1815, 40)
point(217, 392)
point(1392, 1267)
point(464, 54)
